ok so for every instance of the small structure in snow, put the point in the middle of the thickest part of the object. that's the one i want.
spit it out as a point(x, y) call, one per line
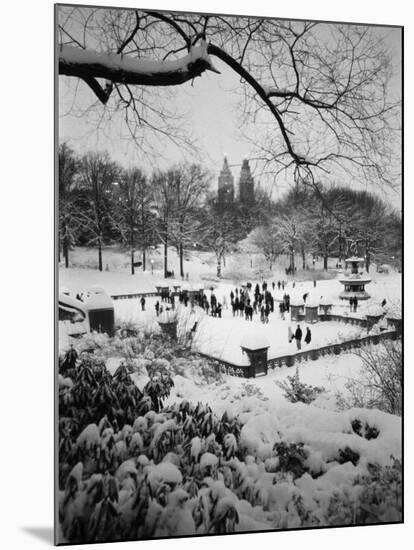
point(311, 310)
point(354, 280)
point(100, 310)
point(256, 347)
point(325, 305)
point(297, 308)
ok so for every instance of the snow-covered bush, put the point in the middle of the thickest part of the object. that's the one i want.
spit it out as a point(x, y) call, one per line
point(131, 467)
point(295, 390)
point(380, 384)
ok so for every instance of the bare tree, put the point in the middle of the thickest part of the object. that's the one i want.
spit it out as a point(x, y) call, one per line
point(268, 241)
point(218, 233)
point(68, 215)
point(97, 175)
point(322, 90)
point(133, 212)
point(189, 187)
point(292, 232)
point(164, 202)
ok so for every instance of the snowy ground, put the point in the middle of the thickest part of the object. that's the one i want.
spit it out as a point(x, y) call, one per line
point(221, 337)
point(265, 414)
point(262, 394)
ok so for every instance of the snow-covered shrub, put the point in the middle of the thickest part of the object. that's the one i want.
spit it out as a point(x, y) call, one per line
point(295, 390)
point(132, 467)
point(364, 430)
point(380, 382)
point(292, 458)
point(373, 498)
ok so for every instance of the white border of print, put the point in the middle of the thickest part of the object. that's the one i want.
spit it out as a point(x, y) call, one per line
point(26, 219)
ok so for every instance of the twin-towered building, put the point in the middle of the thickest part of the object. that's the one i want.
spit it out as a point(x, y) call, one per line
point(226, 192)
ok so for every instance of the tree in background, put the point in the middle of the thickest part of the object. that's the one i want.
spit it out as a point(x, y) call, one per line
point(68, 166)
point(189, 184)
point(97, 175)
point(132, 213)
point(292, 233)
point(267, 239)
point(164, 204)
point(219, 233)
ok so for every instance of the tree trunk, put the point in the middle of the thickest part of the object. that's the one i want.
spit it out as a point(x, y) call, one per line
point(181, 254)
point(303, 257)
point(165, 259)
point(99, 254)
point(219, 266)
point(292, 260)
point(144, 258)
point(132, 262)
point(66, 252)
point(367, 256)
point(325, 261)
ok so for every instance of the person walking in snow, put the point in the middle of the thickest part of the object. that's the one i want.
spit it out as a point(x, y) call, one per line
point(290, 334)
point(305, 296)
point(308, 336)
point(142, 303)
point(282, 310)
point(157, 308)
point(351, 303)
point(298, 337)
point(266, 313)
point(355, 304)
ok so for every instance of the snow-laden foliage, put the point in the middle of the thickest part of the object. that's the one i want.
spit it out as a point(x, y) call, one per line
point(381, 381)
point(131, 467)
point(295, 390)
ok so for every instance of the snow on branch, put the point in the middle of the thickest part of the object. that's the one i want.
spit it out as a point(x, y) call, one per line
point(89, 65)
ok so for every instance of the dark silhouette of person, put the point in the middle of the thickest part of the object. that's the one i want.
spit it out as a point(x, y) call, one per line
point(218, 310)
point(157, 308)
point(298, 337)
point(143, 303)
point(308, 336)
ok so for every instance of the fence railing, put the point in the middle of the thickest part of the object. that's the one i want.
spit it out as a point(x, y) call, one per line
point(247, 371)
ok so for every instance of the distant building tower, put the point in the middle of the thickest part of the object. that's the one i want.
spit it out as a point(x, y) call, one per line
point(225, 185)
point(246, 184)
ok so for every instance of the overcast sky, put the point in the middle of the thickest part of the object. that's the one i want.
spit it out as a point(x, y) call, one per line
point(212, 109)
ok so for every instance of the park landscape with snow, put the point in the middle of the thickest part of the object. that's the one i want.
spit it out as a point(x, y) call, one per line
point(214, 453)
point(185, 405)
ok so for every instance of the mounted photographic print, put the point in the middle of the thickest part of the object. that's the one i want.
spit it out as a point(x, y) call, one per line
point(228, 274)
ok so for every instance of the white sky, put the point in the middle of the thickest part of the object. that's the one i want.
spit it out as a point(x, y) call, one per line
point(211, 105)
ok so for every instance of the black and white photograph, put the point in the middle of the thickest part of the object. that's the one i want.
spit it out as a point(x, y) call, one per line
point(229, 273)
